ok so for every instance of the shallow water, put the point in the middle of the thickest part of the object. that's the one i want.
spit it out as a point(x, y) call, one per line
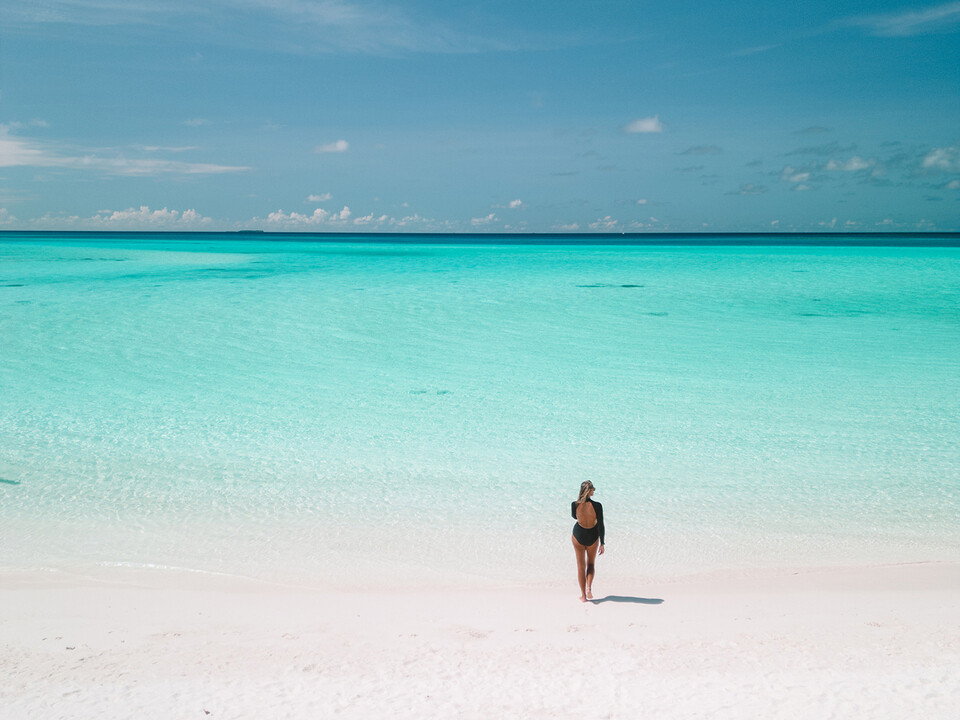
point(302, 411)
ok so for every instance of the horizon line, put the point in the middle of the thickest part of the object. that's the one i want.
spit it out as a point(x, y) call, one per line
point(933, 238)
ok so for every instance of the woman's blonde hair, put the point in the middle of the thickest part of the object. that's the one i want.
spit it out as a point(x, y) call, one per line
point(585, 487)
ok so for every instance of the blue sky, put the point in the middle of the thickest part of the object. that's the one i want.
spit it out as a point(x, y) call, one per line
point(421, 115)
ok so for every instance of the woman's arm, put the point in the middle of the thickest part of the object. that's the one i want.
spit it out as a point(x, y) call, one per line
point(599, 508)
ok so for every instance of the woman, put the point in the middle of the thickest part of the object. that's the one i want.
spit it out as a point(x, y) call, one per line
point(587, 537)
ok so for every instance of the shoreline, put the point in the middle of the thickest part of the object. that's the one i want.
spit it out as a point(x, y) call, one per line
point(879, 641)
point(157, 576)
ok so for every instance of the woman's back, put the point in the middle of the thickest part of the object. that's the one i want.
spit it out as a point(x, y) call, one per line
point(585, 514)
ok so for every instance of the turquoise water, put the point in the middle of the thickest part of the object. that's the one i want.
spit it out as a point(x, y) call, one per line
point(369, 412)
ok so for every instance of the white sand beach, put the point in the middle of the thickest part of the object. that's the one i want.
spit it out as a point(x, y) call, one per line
point(871, 642)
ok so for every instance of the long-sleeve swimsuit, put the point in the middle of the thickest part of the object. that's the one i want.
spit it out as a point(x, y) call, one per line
point(588, 536)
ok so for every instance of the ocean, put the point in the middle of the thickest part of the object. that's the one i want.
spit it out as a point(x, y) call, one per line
point(383, 411)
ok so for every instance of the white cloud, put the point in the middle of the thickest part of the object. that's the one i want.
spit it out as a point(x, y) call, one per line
point(338, 146)
point(801, 187)
point(140, 218)
point(370, 220)
point(645, 125)
point(642, 201)
point(791, 174)
point(933, 19)
point(15, 151)
point(477, 222)
point(406, 220)
point(322, 197)
point(197, 122)
point(568, 228)
point(953, 185)
point(946, 159)
point(296, 219)
point(517, 204)
point(20, 152)
point(854, 164)
point(133, 166)
point(145, 217)
point(604, 223)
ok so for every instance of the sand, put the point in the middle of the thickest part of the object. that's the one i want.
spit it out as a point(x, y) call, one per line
point(874, 642)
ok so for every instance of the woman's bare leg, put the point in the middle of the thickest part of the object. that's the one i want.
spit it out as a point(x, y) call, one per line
point(581, 552)
point(589, 572)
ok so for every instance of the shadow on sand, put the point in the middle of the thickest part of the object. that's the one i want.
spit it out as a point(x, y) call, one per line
point(627, 599)
point(9, 482)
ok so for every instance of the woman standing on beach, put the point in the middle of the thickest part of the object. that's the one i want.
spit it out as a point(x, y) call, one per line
point(587, 537)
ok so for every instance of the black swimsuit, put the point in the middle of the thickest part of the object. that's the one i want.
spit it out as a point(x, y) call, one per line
point(588, 536)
